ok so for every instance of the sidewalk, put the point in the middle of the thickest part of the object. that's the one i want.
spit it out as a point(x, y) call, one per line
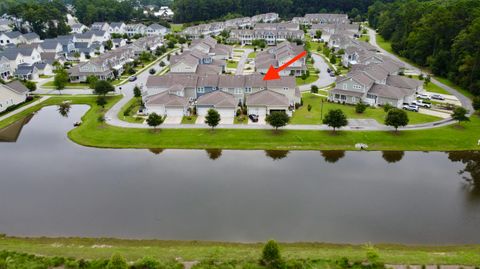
point(43, 98)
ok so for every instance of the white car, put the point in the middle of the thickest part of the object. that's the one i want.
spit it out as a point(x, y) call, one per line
point(422, 104)
point(437, 97)
point(424, 96)
point(413, 108)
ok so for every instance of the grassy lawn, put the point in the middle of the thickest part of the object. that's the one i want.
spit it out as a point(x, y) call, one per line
point(365, 38)
point(252, 55)
point(96, 134)
point(311, 78)
point(303, 116)
point(194, 250)
point(189, 119)
point(50, 84)
point(176, 27)
point(384, 44)
point(232, 64)
point(131, 107)
point(45, 76)
point(238, 50)
point(456, 87)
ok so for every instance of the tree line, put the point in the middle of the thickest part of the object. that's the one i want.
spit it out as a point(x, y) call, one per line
point(205, 10)
point(441, 35)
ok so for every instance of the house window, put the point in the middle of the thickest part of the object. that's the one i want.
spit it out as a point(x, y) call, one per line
point(248, 90)
point(238, 91)
point(201, 90)
point(343, 97)
point(358, 87)
point(344, 86)
point(285, 88)
point(337, 96)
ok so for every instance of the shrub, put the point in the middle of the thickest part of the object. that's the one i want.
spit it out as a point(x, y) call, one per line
point(387, 107)
point(476, 103)
point(360, 107)
point(117, 262)
point(148, 263)
point(314, 89)
point(239, 112)
point(271, 255)
point(309, 107)
point(152, 71)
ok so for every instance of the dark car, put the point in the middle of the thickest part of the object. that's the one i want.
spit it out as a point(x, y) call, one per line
point(332, 74)
point(132, 78)
point(329, 70)
point(253, 117)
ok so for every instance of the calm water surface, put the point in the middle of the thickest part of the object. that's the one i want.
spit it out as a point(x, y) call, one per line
point(50, 186)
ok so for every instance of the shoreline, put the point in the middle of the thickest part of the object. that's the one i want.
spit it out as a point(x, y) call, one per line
point(94, 134)
point(133, 249)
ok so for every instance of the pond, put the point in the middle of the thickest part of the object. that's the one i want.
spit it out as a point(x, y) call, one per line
point(50, 186)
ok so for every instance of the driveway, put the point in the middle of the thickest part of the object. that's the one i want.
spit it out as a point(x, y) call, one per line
point(242, 61)
point(226, 120)
point(200, 120)
point(261, 121)
point(173, 120)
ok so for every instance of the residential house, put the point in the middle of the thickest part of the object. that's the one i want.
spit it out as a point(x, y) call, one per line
point(135, 29)
point(14, 37)
point(272, 33)
point(167, 104)
point(117, 28)
point(223, 102)
point(13, 93)
point(267, 17)
point(44, 68)
point(17, 56)
point(26, 72)
point(376, 85)
point(179, 84)
point(6, 25)
point(51, 45)
point(264, 102)
point(78, 28)
point(5, 68)
point(157, 30)
point(211, 47)
point(322, 18)
point(119, 42)
point(30, 38)
point(100, 26)
point(279, 55)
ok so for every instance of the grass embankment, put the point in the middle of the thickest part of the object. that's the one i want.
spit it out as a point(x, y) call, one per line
point(252, 55)
point(96, 134)
point(303, 116)
point(129, 110)
point(189, 119)
point(232, 64)
point(89, 248)
point(71, 85)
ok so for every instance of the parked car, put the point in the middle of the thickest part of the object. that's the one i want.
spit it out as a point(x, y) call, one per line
point(413, 108)
point(329, 70)
point(132, 78)
point(253, 117)
point(437, 97)
point(421, 103)
point(332, 74)
point(424, 96)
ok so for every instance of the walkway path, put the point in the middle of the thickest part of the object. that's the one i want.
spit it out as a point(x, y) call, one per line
point(23, 108)
point(466, 102)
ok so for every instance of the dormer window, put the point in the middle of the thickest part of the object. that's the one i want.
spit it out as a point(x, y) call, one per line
point(358, 87)
point(285, 88)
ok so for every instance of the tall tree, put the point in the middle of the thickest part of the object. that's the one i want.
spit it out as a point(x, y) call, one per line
point(396, 118)
point(213, 118)
point(61, 79)
point(335, 118)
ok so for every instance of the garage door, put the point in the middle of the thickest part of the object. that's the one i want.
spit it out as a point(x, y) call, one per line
point(226, 112)
point(260, 111)
point(174, 112)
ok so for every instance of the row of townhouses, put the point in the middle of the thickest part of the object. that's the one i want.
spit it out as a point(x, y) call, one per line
point(204, 56)
point(162, 12)
point(111, 64)
point(272, 33)
point(215, 28)
point(122, 28)
point(322, 18)
point(173, 94)
point(279, 55)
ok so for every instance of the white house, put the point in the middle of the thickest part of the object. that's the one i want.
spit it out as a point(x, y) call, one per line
point(11, 94)
point(78, 28)
point(157, 29)
point(117, 28)
point(5, 68)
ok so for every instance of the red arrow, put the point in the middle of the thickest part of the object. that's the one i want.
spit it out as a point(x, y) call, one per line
point(273, 73)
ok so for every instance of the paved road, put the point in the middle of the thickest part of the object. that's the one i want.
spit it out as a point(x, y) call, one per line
point(466, 102)
point(324, 78)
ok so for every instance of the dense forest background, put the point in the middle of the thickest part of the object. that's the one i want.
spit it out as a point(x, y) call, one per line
point(204, 10)
point(442, 35)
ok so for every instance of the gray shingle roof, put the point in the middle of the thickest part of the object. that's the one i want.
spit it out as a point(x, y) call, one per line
point(218, 99)
point(267, 98)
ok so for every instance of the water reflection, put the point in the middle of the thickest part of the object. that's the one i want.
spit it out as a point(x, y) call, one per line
point(64, 109)
point(471, 172)
point(12, 132)
point(332, 156)
point(241, 196)
point(276, 154)
point(393, 156)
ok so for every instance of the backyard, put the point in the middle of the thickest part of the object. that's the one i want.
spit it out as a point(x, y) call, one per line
point(303, 116)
